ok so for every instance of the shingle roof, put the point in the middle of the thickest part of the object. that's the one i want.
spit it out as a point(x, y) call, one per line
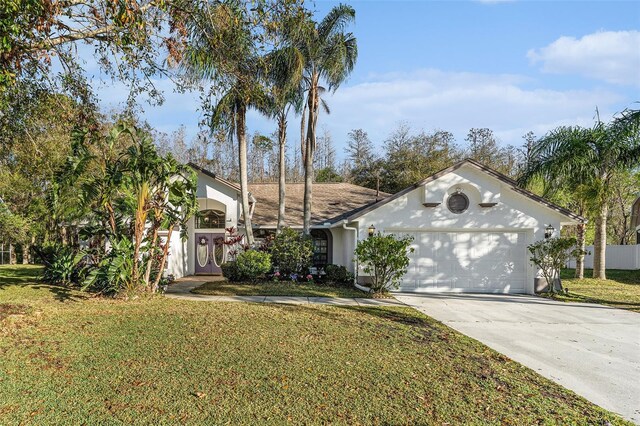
point(331, 202)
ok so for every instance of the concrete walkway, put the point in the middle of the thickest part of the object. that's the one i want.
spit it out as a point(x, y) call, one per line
point(182, 290)
point(593, 350)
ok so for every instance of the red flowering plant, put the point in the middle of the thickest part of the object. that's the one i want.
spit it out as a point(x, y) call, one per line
point(234, 242)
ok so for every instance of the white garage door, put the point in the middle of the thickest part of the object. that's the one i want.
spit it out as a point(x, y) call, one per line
point(490, 262)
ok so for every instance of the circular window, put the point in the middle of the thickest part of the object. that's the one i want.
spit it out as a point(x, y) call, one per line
point(458, 202)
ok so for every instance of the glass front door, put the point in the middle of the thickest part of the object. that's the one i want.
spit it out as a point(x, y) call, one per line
point(209, 253)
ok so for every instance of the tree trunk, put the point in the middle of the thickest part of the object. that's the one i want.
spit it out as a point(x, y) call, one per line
point(581, 245)
point(12, 254)
point(282, 170)
point(600, 243)
point(309, 152)
point(244, 181)
point(25, 253)
point(165, 253)
point(147, 273)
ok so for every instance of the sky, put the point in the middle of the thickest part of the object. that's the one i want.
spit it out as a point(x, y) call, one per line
point(511, 66)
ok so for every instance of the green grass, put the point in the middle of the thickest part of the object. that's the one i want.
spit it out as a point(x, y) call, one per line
point(281, 288)
point(165, 361)
point(621, 289)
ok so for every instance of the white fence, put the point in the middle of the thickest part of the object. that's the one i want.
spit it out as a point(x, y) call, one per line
point(618, 257)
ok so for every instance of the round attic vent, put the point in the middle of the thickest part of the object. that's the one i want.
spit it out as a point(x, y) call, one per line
point(458, 203)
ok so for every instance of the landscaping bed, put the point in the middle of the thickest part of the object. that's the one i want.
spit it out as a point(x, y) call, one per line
point(277, 288)
point(621, 289)
point(166, 361)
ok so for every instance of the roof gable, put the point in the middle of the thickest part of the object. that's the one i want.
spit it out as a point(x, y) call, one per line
point(499, 177)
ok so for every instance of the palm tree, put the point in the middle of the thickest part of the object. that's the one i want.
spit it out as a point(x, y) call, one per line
point(223, 49)
point(592, 157)
point(330, 54)
point(285, 67)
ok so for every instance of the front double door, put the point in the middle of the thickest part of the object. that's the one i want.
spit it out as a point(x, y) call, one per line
point(209, 252)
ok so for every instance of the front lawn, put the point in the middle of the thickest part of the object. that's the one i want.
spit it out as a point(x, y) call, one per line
point(92, 360)
point(277, 288)
point(621, 289)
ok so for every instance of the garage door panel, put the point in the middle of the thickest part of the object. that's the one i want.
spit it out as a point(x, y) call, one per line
point(467, 261)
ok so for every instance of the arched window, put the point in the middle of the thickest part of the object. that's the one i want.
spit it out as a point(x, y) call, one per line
point(321, 247)
point(210, 219)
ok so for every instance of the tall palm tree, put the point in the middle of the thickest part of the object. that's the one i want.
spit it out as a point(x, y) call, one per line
point(330, 54)
point(285, 67)
point(592, 157)
point(222, 48)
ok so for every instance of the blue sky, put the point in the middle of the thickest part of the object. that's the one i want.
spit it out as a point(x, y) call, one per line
point(512, 66)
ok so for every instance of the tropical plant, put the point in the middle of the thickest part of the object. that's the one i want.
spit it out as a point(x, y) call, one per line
point(60, 267)
point(330, 55)
point(226, 40)
point(551, 255)
point(592, 157)
point(385, 258)
point(291, 252)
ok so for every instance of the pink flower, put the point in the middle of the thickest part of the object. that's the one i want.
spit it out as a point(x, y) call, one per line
point(277, 274)
point(309, 277)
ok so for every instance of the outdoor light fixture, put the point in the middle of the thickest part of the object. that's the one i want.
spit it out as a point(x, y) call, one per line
point(548, 231)
point(372, 230)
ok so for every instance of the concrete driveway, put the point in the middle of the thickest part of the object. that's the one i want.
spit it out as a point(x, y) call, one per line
point(591, 349)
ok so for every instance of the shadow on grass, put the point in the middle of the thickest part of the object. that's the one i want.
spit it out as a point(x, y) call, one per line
point(573, 297)
point(28, 276)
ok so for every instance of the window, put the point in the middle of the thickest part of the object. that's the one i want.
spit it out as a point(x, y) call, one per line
point(458, 203)
point(320, 247)
point(210, 219)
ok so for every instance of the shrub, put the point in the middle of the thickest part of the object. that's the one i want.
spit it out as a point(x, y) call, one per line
point(291, 252)
point(60, 266)
point(550, 255)
point(385, 258)
point(253, 264)
point(230, 271)
point(338, 274)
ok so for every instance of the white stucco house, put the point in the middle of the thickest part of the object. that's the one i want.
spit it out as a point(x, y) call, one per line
point(471, 227)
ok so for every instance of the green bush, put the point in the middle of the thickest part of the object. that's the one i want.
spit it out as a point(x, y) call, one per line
point(291, 252)
point(385, 258)
point(338, 274)
point(253, 264)
point(60, 267)
point(230, 271)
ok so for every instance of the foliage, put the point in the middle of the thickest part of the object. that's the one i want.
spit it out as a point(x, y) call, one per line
point(385, 258)
point(589, 161)
point(328, 174)
point(253, 264)
point(550, 255)
point(338, 274)
point(230, 271)
point(60, 267)
point(126, 197)
point(291, 252)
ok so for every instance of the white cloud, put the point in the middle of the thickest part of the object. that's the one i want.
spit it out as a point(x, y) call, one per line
point(510, 105)
point(458, 101)
point(612, 56)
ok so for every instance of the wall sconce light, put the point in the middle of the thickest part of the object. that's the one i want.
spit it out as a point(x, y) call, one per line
point(372, 230)
point(548, 231)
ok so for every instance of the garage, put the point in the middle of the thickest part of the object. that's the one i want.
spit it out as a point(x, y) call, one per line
point(471, 227)
point(485, 262)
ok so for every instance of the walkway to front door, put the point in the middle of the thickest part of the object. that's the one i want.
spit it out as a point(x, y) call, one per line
point(209, 253)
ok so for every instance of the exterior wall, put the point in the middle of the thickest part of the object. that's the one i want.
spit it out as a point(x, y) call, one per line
point(618, 257)
point(513, 211)
point(211, 194)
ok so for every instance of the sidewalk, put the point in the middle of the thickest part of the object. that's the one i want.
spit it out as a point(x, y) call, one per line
point(182, 290)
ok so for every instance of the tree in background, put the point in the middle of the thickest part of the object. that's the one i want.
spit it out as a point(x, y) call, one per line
point(483, 147)
point(595, 157)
